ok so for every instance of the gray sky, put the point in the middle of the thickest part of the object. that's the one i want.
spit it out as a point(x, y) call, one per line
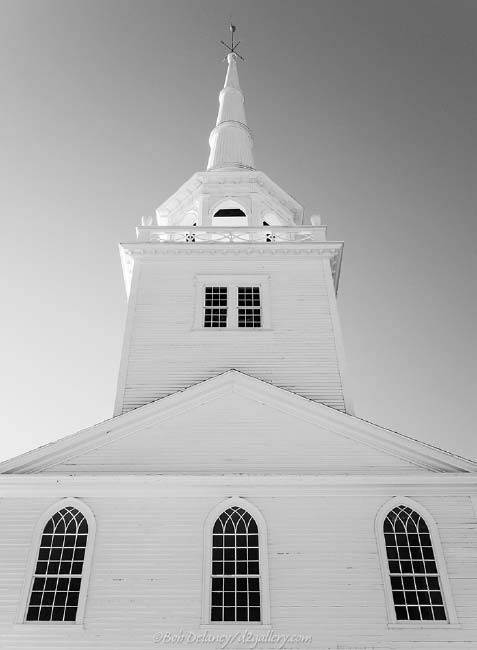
point(364, 111)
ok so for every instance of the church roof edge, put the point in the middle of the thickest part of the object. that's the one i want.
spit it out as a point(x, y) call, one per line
point(399, 445)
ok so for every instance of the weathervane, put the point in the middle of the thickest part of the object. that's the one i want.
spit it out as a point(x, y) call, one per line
point(233, 46)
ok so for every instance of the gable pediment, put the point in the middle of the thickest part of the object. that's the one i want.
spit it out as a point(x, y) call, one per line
point(236, 424)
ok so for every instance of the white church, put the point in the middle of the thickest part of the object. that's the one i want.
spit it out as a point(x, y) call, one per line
point(234, 500)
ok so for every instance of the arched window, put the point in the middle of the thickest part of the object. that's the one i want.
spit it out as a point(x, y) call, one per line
point(56, 593)
point(416, 584)
point(236, 567)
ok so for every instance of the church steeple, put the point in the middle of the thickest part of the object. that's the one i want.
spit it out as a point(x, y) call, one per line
point(231, 140)
point(229, 277)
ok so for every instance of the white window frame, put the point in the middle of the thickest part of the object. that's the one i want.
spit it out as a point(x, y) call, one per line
point(446, 592)
point(263, 562)
point(33, 556)
point(232, 282)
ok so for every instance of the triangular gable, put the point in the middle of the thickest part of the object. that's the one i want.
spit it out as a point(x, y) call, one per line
point(234, 423)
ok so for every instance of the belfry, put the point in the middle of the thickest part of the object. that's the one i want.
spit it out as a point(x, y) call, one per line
point(234, 498)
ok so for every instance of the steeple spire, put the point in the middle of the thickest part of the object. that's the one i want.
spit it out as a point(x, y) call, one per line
point(231, 140)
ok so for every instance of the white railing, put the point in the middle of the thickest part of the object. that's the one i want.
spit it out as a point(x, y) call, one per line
point(222, 235)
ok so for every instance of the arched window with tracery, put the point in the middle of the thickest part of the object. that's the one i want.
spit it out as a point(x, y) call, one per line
point(235, 579)
point(414, 573)
point(58, 573)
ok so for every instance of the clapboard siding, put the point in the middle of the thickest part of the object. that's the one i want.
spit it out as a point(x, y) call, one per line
point(235, 434)
point(325, 577)
point(163, 352)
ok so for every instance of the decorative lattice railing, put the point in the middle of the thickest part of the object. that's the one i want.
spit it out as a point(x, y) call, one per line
point(222, 235)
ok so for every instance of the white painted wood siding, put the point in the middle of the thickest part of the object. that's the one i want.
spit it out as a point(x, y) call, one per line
point(235, 434)
point(163, 353)
point(325, 577)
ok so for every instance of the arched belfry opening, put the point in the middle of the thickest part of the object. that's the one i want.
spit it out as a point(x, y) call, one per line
point(229, 213)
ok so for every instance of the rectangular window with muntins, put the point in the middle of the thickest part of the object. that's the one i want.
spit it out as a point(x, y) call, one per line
point(249, 307)
point(232, 303)
point(215, 306)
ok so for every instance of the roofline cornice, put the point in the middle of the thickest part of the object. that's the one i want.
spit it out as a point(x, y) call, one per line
point(153, 249)
point(407, 449)
point(149, 251)
point(182, 485)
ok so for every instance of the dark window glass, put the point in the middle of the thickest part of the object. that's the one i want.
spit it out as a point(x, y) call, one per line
point(415, 584)
point(230, 212)
point(235, 595)
point(249, 308)
point(54, 595)
point(215, 307)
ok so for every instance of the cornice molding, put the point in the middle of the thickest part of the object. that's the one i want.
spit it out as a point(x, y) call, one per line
point(247, 485)
point(148, 251)
point(273, 248)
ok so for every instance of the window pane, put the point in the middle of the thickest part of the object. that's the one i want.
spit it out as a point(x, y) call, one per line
point(33, 614)
point(217, 599)
point(439, 613)
point(216, 614)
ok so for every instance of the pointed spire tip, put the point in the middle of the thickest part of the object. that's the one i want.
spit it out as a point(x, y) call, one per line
point(231, 141)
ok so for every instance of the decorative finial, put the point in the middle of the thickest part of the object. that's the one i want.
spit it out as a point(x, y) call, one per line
point(232, 47)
